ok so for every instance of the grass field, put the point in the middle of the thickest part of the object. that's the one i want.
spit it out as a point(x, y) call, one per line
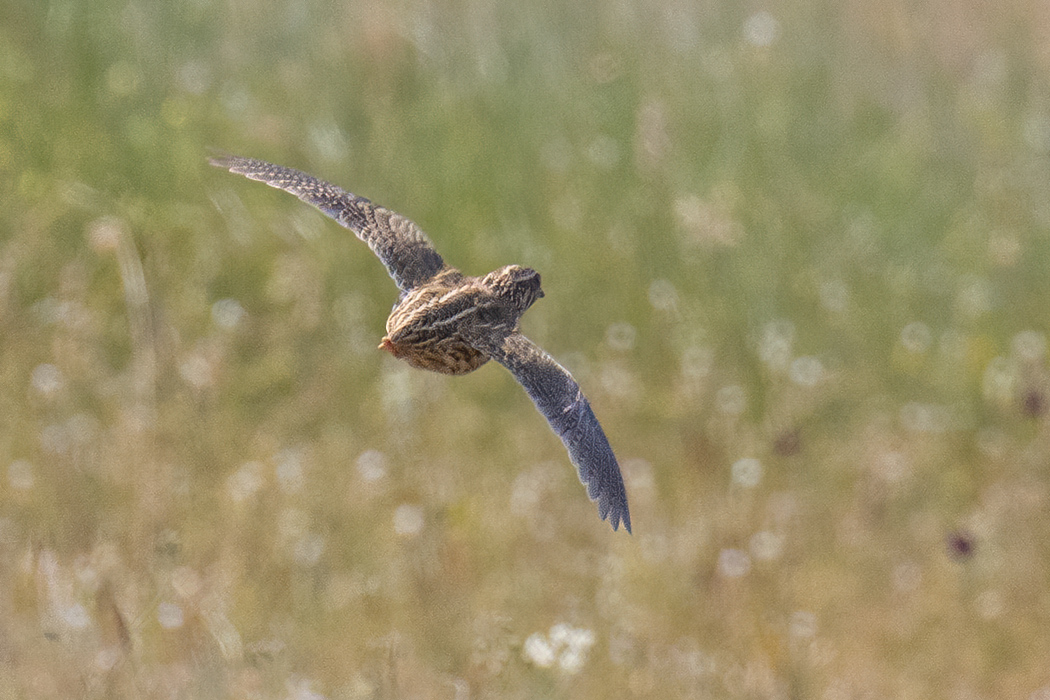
point(797, 255)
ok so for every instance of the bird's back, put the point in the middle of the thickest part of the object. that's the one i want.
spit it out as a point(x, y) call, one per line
point(426, 328)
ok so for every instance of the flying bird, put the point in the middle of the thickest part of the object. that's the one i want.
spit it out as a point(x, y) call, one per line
point(445, 321)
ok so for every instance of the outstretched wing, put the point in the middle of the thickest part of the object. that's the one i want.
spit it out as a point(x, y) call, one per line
point(558, 397)
point(406, 251)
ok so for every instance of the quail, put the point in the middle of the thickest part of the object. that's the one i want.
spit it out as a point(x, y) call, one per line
point(447, 322)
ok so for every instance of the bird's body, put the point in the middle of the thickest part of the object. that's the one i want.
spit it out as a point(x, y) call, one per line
point(447, 322)
point(426, 329)
point(421, 330)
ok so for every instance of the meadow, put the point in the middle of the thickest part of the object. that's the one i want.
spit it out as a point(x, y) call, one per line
point(796, 254)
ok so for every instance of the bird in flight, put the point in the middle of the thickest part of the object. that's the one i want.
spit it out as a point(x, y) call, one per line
point(447, 322)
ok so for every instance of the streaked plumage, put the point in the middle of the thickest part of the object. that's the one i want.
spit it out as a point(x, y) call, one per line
point(447, 322)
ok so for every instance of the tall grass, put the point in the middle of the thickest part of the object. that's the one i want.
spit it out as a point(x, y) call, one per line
point(796, 256)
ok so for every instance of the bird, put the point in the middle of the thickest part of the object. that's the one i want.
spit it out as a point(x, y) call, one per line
point(447, 322)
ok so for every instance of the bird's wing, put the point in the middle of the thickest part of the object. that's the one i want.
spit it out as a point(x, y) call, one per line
point(406, 251)
point(558, 397)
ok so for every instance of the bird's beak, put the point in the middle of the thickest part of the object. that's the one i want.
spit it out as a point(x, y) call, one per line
point(388, 346)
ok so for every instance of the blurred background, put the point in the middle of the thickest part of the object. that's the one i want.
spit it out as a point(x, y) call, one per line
point(795, 253)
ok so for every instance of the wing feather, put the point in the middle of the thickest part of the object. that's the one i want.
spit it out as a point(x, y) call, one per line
point(404, 249)
point(558, 397)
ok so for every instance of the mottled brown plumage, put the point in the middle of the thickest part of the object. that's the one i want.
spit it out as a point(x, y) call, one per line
point(447, 322)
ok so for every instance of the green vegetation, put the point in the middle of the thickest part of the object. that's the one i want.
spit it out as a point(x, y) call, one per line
point(799, 261)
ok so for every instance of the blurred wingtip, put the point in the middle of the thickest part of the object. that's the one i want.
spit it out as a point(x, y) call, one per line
point(616, 512)
point(621, 518)
point(221, 159)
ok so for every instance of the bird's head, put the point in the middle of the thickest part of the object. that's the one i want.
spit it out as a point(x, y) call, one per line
point(520, 286)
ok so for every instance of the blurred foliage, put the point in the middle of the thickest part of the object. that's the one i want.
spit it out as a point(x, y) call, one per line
point(797, 257)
